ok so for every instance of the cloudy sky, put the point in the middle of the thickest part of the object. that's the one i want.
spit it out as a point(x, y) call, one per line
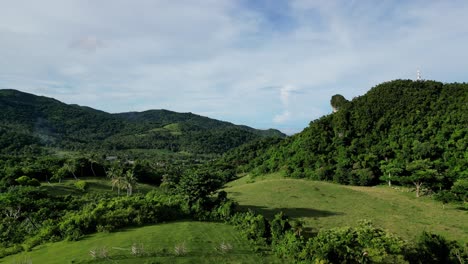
point(263, 63)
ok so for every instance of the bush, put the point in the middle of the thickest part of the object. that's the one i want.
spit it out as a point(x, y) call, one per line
point(81, 185)
point(289, 246)
point(254, 226)
point(432, 248)
point(23, 180)
point(26, 181)
point(34, 182)
point(278, 226)
point(362, 244)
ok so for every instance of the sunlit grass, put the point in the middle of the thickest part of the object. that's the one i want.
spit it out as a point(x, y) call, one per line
point(157, 243)
point(326, 205)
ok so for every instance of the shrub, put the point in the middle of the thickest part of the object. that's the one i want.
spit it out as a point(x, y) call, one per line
point(26, 181)
point(432, 248)
point(254, 226)
point(355, 245)
point(289, 246)
point(81, 185)
point(23, 180)
point(278, 226)
point(34, 182)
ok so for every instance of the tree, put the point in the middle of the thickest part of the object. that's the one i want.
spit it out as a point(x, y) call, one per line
point(390, 168)
point(198, 185)
point(59, 174)
point(460, 188)
point(92, 159)
point(115, 174)
point(337, 101)
point(70, 166)
point(422, 172)
point(129, 181)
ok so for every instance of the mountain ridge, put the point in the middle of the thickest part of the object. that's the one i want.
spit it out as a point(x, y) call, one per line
point(50, 122)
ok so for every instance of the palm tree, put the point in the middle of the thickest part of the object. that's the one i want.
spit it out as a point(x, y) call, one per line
point(129, 181)
point(119, 182)
point(70, 166)
point(92, 159)
point(115, 173)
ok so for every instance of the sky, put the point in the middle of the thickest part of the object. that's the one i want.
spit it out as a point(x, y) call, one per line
point(261, 63)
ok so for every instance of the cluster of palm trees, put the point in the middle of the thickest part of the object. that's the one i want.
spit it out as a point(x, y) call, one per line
point(70, 166)
point(122, 180)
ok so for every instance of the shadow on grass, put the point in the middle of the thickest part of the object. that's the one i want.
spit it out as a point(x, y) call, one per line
point(98, 186)
point(290, 212)
point(61, 190)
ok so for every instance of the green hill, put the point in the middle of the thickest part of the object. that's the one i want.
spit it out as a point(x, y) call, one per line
point(155, 243)
point(29, 122)
point(323, 205)
point(407, 132)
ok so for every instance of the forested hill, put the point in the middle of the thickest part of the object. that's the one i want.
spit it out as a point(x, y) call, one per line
point(29, 123)
point(413, 132)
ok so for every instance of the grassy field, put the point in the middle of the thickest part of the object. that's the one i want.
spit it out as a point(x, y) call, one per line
point(202, 241)
point(327, 205)
point(95, 185)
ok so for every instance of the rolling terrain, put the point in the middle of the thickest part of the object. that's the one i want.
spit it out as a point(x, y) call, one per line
point(157, 243)
point(167, 167)
point(323, 205)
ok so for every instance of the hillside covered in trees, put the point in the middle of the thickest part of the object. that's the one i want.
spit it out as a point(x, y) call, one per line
point(28, 123)
point(407, 132)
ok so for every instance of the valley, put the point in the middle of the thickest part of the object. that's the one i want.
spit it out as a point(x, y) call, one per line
point(383, 179)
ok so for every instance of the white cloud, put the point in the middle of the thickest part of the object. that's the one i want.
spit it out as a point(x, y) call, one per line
point(216, 56)
point(283, 117)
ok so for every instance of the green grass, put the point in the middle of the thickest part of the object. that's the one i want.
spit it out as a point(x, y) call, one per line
point(158, 242)
point(174, 128)
point(327, 205)
point(95, 185)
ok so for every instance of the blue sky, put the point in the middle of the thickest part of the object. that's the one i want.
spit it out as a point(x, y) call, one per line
point(255, 62)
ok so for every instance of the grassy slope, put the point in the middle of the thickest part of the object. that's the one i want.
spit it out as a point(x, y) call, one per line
point(327, 205)
point(200, 239)
point(95, 185)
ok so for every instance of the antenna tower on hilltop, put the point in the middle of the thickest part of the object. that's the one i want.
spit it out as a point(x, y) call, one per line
point(418, 75)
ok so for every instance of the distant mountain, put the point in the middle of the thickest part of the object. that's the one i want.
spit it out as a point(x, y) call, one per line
point(29, 122)
point(399, 130)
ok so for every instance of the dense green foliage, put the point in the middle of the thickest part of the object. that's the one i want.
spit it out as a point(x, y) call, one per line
point(362, 244)
point(28, 123)
point(406, 132)
point(31, 216)
point(402, 131)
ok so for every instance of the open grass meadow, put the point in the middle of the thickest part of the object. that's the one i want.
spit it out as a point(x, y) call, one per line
point(177, 242)
point(327, 205)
